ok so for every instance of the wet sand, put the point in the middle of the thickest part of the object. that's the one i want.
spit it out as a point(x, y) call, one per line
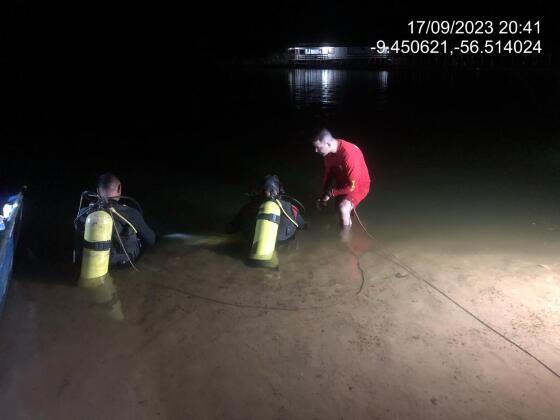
point(198, 334)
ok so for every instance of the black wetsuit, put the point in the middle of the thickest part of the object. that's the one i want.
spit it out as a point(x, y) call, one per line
point(245, 220)
point(133, 241)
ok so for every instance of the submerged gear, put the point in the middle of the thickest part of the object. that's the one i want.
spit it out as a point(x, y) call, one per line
point(277, 221)
point(245, 220)
point(269, 218)
point(130, 231)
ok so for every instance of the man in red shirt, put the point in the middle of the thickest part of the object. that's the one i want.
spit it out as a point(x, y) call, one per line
point(346, 176)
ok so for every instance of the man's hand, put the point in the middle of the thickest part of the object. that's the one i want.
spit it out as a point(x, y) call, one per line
point(322, 202)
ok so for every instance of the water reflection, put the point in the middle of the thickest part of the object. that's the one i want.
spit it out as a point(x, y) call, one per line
point(383, 79)
point(328, 88)
point(315, 87)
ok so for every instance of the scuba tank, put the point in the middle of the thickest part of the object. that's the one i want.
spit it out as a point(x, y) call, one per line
point(97, 237)
point(263, 251)
point(97, 247)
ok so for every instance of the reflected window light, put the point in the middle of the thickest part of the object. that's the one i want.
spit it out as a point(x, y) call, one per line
point(383, 79)
point(325, 76)
point(310, 87)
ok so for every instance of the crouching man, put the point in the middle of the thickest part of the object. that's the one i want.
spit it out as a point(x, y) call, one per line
point(345, 178)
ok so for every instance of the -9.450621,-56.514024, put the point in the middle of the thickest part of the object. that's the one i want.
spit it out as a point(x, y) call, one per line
point(470, 46)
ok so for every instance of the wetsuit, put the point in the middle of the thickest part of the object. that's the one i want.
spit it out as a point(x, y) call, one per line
point(135, 234)
point(346, 175)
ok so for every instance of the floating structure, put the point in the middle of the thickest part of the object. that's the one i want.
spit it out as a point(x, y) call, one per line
point(316, 54)
point(344, 56)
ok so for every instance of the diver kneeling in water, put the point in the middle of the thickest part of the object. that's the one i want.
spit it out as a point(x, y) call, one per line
point(291, 219)
point(130, 232)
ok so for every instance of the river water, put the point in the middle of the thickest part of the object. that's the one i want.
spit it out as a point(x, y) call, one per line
point(463, 146)
point(466, 191)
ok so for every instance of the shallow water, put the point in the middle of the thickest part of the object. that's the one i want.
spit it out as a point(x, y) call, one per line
point(198, 333)
point(465, 195)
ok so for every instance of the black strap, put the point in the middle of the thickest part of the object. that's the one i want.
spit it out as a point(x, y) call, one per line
point(274, 218)
point(98, 246)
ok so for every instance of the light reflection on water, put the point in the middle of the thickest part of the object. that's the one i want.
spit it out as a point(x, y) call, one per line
point(383, 78)
point(328, 88)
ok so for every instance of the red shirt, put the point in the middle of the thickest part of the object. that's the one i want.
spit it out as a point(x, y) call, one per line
point(346, 171)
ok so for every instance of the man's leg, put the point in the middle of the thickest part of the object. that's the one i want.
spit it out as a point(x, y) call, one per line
point(345, 209)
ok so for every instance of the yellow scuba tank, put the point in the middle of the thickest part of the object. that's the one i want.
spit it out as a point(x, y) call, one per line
point(97, 246)
point(264, 242)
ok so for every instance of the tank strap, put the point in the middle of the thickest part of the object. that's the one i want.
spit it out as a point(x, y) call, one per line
point(274, 218)
point(98, 246)
point(125, 220)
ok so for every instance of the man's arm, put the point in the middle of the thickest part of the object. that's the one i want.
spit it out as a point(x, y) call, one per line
point(145, 233)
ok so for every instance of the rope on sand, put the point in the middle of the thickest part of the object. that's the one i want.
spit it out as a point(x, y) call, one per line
point(415, 274)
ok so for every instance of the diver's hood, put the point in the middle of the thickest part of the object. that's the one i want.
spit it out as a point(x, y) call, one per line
point(272, 185)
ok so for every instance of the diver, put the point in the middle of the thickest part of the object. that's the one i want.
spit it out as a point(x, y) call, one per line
point(291, 219)
point(131, 234)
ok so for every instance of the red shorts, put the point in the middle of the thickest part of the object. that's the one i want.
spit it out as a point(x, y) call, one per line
point(355, 197)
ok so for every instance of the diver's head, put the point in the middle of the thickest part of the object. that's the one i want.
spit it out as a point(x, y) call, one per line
point(272, 187)
point(109, 186)
point(324, 142)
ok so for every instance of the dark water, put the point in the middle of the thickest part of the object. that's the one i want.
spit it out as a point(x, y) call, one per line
point(469, 146)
